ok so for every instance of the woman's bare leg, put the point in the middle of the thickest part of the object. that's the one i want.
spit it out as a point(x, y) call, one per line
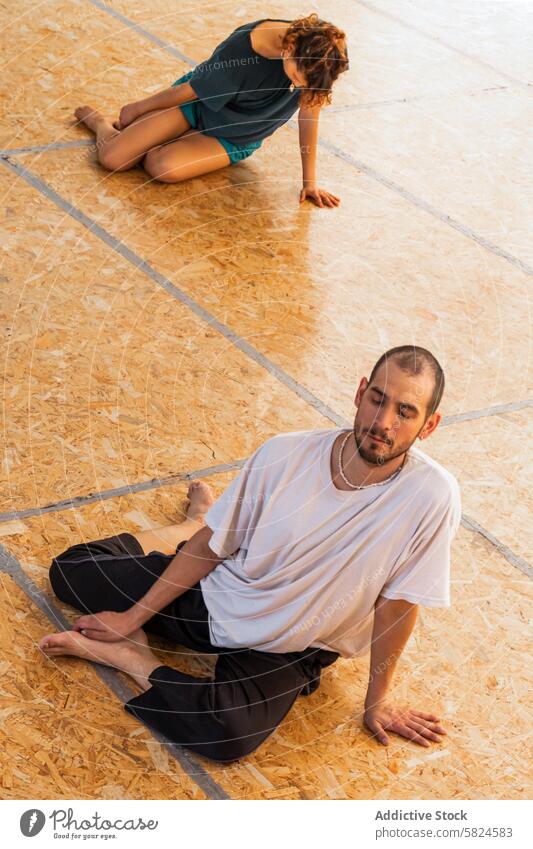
point(166, 538)
point(95, 121)
point(120, 150)
point(191, 155)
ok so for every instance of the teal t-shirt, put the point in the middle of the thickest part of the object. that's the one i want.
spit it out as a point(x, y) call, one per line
point(242, 96)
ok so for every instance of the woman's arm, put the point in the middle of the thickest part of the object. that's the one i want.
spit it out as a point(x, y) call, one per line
point(193, 562)
point(308, 134)
point(173, 96)
point(166, 99)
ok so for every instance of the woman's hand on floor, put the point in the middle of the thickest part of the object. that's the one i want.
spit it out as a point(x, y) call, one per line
point(107, 625)
point(128, 113)
point(320, 197)
point(412, 724)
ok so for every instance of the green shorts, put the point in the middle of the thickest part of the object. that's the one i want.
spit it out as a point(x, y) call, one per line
point(236, 152)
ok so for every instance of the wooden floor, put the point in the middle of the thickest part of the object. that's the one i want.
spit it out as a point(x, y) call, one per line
point(154, 332)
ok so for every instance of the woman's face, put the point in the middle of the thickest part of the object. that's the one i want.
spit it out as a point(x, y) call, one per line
point(296, 77)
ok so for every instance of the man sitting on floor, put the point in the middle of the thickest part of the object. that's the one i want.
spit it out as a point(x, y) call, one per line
point(323, 545)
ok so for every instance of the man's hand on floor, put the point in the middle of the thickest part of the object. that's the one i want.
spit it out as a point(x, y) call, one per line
point(412, 724)
point(107, 625)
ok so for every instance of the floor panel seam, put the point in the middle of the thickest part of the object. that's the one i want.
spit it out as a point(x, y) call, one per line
point(9, 565)
point(370, 172)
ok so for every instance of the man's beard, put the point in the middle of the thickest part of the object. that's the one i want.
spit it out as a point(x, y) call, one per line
point(388, 451)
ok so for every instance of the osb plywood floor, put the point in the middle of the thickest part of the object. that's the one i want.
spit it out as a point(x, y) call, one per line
point(120, 303)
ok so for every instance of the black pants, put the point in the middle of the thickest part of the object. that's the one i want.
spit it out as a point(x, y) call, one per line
point(223, 718)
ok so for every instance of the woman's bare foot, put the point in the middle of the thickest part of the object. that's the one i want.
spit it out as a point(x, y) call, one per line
point(95, 121)
point(201, 498)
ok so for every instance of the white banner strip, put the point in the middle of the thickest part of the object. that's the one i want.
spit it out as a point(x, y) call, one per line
point(236, 824)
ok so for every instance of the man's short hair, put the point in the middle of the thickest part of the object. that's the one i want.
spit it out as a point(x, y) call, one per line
point(414, 360)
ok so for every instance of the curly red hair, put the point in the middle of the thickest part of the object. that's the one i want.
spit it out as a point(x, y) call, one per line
point(319, 50)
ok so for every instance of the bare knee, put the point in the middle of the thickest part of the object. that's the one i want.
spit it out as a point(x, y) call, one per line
point(111, 156)
point(157, 165)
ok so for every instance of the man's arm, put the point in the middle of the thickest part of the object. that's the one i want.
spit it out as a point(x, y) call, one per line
point(394, 621)
point(194, 560)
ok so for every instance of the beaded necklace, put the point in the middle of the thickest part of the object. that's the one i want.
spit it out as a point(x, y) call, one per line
point(368, 485)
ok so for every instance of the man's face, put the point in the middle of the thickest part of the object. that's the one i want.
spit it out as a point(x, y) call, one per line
point(391, 412)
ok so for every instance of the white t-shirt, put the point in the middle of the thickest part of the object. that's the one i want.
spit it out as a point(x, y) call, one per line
point(305, 562)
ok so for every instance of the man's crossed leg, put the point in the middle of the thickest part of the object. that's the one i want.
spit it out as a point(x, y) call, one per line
point(225, 717)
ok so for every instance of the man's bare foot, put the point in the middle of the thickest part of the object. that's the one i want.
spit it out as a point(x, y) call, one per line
point(93, 120)
point(128, 655)
point(201, 498)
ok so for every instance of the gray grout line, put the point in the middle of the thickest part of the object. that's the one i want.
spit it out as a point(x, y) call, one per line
point(427, 207)
point(197, 474)
point(162, 281)
point(347, 157)
point(223, 329)
point(496, 410)
point(374, 175)
point(389, 184)
point(119, 491)
point(335, 110)
point(9, 565)
point(165, 45)
point(170, 480)
point(503, 549)
point(442, 42)
point(44, 148)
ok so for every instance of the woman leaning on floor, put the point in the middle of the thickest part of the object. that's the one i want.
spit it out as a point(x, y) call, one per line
point(220, 113)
